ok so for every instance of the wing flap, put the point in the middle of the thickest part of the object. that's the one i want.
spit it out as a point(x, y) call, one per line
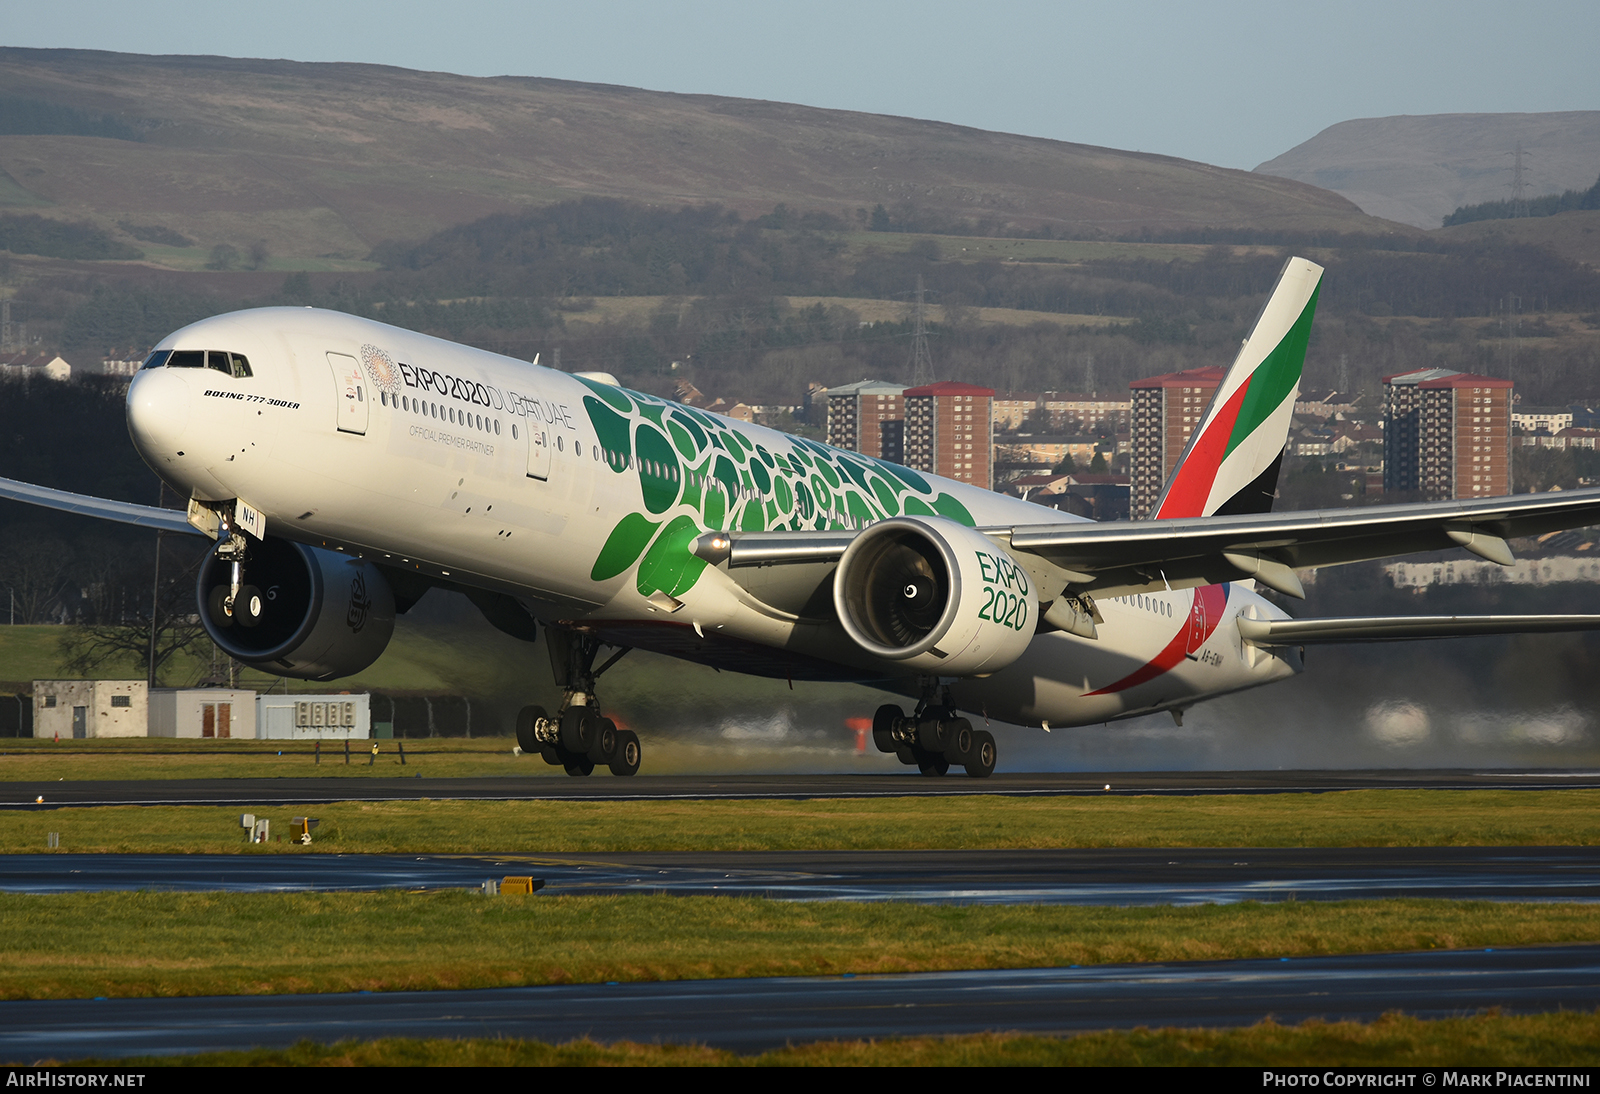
point(1400, 628)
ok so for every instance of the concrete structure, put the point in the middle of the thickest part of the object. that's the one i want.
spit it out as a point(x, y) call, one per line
point(1166, 410)
point(1047, 451)
point(47, 365)
point(312, 717)
point(1573, 437)
point(1096, 496)
point(868, 417)
point(1551, 419)
point(1472, 571)
point(950, 431)
point(1447, 434)
point(213, 713)
point(85, 709)
point(1068, 411)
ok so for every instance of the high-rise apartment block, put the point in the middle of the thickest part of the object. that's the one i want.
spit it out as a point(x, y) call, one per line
point(1166, 410)
point(868, 417)
point(950, 431)
point(1446, 434)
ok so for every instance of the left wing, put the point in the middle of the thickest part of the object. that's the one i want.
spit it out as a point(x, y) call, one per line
point(1117, 558)
point(124, 512)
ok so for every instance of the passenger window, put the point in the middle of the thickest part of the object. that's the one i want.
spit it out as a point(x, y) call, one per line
point(157, 359)
point(187, 358)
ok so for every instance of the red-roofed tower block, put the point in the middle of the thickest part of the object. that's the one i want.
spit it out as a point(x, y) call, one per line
point(1166, 411)
point(1447, 434)
point(950, 431)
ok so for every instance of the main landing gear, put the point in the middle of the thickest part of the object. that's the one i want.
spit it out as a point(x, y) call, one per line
point(934, 738)
point(578, 738)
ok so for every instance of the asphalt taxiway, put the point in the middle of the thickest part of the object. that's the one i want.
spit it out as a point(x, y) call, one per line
point(753, 1015)
point(1100, 875)
point(331, 788)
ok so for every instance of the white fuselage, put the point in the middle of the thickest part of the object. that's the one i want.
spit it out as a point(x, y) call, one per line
point(581, 499)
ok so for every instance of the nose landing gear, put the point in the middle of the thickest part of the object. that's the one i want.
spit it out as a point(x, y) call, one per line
point(934, 738)
point(578, 738)
point(236, 603)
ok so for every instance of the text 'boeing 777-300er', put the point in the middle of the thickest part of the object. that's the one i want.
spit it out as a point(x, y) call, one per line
point(344, 467)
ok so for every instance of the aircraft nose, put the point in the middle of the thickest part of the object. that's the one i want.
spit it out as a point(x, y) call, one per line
point(158, 411)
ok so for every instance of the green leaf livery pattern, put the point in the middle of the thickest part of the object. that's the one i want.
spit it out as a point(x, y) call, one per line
point(699, 473)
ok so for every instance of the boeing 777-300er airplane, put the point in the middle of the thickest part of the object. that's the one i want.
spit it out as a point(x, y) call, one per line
point(345, 467)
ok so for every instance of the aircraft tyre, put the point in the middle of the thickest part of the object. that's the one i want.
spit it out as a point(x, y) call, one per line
point(580, 726)
point(932, 763)
point(580, 766)
point(606, 739)
point(883, 723)
point(527, 718)
point(932, 732)
point(626, 759)
point(958, 739)
point(217, 605)
point(249, 606)
point(980, 761)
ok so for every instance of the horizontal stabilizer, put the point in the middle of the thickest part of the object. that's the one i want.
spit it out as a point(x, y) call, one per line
point(1400, 628)
point(123, 512)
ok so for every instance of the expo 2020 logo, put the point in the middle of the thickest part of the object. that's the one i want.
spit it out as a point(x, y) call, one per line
point(385, 377)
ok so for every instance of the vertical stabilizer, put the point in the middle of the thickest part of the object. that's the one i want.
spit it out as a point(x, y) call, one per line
point(1231, 463)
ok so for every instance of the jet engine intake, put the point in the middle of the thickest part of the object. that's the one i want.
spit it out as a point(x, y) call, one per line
point(936, 596)
point(302, 612)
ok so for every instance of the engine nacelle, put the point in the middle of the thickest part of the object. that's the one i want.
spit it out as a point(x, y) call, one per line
point(322, 614)
point(936, 596)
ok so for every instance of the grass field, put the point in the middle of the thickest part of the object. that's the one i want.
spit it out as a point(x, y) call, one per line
point(638, 309)
point(184, 944)
point(420, 659)
point(1357, 818)
point(1485, 1040)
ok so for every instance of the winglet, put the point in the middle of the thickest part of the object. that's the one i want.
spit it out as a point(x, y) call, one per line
point(1231, 463)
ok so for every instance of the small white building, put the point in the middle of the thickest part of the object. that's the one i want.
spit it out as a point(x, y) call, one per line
point(217, 713)
point(81, 709)
point(313, 717)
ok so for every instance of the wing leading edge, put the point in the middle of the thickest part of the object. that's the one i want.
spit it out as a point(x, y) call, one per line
point(123, 512)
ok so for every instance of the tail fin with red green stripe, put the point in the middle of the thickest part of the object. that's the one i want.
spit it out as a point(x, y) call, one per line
point(1231, 462)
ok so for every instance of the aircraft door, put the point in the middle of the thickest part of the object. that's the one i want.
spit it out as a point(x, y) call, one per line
point(538, 449)
point(1198, 631)
point(350, 386)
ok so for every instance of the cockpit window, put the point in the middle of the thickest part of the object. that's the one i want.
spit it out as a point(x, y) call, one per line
point(229, 364)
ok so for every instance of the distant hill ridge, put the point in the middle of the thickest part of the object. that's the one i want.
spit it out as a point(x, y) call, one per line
point(1417, 169)
point(333, 159)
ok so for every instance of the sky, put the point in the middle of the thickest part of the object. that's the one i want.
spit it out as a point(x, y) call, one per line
point(1230, 84)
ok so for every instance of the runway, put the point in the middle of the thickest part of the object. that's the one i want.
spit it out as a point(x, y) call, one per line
point(753, 1015)
point(1092, 876)
point(336, 787)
